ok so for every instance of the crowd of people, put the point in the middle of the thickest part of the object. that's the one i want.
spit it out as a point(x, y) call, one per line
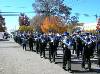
point(81, 44)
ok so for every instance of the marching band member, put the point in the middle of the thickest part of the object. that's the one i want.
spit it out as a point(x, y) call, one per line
point(86, 53)
point(67, 52)
point(43, 44)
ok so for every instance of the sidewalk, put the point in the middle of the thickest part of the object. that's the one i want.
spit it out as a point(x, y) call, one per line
point(14, 60)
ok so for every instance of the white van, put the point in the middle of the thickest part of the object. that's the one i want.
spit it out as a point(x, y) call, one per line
point(1, 35)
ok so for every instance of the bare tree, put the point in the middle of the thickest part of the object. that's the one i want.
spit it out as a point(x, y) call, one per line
point(73, 20)
point(24, 20)
point(36, 22)
point(52, 7)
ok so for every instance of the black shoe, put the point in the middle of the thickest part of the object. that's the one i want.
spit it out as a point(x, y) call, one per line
point(53, 60)
point(83, 67)
point(69, 71)
point(90, 69)
point(50, 60)
point(41, 56)
point(37, 52)
point(64, 68)
point(99, 65)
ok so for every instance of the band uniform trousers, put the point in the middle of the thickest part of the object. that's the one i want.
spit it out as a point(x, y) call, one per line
point(67, 58)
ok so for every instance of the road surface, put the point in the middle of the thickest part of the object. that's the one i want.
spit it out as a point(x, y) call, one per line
point(14, 60)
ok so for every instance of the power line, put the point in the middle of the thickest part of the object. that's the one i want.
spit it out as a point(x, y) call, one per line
point(14, 13)
point(18, 12)
point(10, 14)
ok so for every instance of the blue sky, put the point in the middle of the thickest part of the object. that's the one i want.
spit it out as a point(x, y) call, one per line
point(90, 7)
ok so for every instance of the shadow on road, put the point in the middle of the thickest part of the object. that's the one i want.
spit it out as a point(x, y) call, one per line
point(86, 71)
point(31, 50)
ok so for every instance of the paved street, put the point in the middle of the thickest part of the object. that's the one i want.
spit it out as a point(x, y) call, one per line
point(14, 60)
